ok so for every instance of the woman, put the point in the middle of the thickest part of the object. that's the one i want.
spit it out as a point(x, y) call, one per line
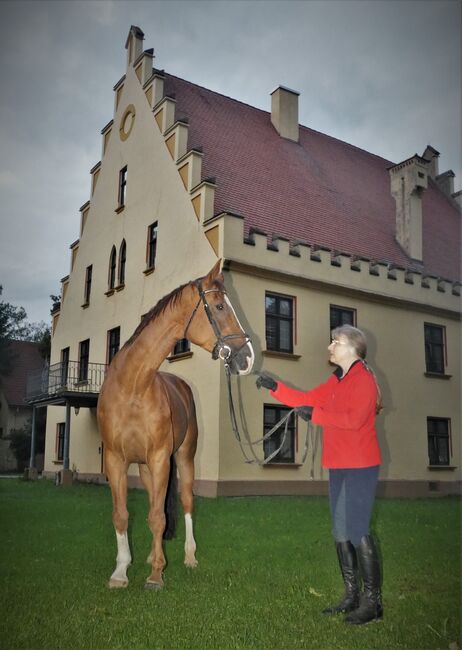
point(346, 406)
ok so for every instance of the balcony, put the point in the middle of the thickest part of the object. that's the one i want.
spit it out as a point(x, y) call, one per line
point(71, 382)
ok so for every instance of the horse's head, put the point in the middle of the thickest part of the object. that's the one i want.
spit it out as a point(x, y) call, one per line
point(215, 327)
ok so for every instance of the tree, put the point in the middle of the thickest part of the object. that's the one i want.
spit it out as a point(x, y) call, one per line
point(20, 439)
point(14, 327)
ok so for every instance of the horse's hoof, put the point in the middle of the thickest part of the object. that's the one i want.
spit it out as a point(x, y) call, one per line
point(117, 584)
point(153, 586)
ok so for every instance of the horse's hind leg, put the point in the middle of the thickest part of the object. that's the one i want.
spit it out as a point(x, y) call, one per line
point(117, 474)
point(185, 463)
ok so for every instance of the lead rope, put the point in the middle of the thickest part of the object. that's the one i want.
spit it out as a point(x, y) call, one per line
point(311, 435)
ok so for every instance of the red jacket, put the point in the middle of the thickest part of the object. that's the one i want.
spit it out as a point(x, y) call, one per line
point(345, 408)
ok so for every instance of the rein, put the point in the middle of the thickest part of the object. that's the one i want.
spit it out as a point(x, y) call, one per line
point(223, 351)
point(311, 437)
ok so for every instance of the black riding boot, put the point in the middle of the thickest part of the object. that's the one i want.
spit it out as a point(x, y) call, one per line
point(370, 602)
point(349, 567)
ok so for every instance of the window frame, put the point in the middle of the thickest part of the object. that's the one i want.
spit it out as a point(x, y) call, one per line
point(434, 434)
point(59, 441)
point(269, 446)
point(65, 357)
point(88, 281)
point(151, 245)
point(122, 263)
point(429, 346)
point(278, 318)
point(84, 360)
point(111, 347)
point(112, 269)
point(122, 191)
point(341, 308)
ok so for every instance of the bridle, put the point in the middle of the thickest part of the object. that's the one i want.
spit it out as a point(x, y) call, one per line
point(221, 350)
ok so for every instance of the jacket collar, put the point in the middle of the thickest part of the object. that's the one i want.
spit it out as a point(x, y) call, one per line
point(338, 372)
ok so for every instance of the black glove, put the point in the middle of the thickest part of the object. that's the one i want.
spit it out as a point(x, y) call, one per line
point(266, 381)
point(305, 412)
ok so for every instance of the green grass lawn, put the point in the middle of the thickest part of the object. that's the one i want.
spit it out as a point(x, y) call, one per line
point(267, 566)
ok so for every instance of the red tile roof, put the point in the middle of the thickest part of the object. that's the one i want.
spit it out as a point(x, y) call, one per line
point(322, 191)
point(26, 358)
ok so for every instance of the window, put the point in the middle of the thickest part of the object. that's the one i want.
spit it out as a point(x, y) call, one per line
point(84, 355)
point(181, 347)
point(435, 348)
point(272, 415)
point(279, 322)
point(122, 186)
point(64, 366)
point(438, 433)
point(60, 429)
point(88, 274)
point(113, 343)
point(341, 316)
point(122, 260)
point(112, 269)
point(151, 246)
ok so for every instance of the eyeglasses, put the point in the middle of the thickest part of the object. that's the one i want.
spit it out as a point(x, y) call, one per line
point(337, 342)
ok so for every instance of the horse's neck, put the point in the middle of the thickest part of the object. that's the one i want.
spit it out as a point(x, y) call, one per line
point(144, 356)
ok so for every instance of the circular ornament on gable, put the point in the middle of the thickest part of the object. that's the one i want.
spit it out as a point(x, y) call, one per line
point(127, 122)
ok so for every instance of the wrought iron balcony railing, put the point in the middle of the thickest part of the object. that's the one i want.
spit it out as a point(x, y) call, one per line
point(65, 377)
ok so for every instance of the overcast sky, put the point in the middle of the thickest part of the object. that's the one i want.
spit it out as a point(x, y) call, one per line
point(382, 75)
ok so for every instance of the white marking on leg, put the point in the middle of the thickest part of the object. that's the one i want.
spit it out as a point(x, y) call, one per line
point(123, 561)
point(190, 543)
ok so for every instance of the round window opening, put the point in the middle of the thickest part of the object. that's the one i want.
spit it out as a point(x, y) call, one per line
point(127, 122)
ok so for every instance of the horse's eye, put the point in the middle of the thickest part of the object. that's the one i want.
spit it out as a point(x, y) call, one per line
point(220, 306)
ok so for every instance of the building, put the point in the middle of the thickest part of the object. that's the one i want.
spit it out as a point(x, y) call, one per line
point(312, 231)
point(14, 410)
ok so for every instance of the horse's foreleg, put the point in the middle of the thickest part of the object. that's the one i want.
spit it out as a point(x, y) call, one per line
point(185, 462)
point(117, 475)
point(160, 470)
point(146, 479)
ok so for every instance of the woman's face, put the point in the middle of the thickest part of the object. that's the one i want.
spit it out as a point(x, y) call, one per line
point(340, 350)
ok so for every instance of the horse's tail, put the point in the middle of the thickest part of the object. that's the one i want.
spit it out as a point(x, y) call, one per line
point(171, 501)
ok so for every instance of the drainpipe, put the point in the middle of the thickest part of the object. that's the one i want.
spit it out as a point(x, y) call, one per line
point(67, 430)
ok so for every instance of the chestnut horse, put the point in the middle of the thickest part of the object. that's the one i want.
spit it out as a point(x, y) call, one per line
point(148, 417)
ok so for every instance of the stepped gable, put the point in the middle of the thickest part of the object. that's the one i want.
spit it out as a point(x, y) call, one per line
point(322, 191)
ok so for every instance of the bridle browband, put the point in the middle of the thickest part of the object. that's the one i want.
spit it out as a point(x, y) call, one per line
point(221, 349)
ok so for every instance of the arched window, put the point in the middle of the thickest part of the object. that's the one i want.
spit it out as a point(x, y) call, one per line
point(112, 268)
point(122, 259)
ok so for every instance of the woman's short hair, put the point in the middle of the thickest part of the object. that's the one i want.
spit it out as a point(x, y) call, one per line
point(356, 338)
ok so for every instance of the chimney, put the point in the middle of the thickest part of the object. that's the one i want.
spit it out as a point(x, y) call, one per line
point(445, 182)
point(408, 180)
point(432, 156)
point(284, 112)
point(134, 44)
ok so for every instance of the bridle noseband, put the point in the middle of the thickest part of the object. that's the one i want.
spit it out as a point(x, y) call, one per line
point(221, 349)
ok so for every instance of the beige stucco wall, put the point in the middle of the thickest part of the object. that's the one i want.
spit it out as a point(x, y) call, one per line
point(391, 312)
point(155, 192)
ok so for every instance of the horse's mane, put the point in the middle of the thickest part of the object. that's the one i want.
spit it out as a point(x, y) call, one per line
point(169, 300)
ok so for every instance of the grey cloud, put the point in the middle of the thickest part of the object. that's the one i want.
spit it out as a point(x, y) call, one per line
point(382, 75)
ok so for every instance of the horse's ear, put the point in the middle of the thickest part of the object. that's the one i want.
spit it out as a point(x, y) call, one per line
point(214, 272)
